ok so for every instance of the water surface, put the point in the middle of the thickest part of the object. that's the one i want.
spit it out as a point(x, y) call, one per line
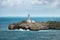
point(6, 34)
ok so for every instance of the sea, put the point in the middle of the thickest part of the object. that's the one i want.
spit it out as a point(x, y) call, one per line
point(6, 34)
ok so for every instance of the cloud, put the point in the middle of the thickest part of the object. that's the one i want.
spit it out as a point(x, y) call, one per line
point(40, 2)
point(15, 3)
point(55, 3)
point(49, 3)
point(27, 3)
point(11, 3)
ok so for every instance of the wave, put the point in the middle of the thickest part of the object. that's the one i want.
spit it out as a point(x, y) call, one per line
point(24, 30)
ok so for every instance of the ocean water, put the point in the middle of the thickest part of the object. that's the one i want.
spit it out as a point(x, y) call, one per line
point(6, 34)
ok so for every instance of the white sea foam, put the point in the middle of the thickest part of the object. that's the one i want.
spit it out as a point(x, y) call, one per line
point(23, 30)
point(45, 30)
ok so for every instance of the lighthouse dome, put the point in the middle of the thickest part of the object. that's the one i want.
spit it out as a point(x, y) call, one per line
point(28, 21)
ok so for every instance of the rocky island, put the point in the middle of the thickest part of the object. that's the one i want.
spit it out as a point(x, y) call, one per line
point(35, 26)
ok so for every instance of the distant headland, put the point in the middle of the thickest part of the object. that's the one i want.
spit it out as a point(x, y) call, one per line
point(34, 26)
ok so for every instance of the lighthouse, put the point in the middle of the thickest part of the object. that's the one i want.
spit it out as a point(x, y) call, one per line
point(28, 20)
point(28, 16)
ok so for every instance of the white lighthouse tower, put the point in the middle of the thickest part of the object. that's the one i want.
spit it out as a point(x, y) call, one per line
point(28, 20)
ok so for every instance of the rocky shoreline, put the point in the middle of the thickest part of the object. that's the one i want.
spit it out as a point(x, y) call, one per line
point(35, 26)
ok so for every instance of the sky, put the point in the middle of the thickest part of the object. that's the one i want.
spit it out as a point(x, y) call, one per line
point(36, 8)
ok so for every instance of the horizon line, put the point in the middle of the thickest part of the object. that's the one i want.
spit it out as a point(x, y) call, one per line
point(30, 16)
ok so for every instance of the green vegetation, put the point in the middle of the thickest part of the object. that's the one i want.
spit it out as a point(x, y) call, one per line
point(53, 24)
point(24, 21)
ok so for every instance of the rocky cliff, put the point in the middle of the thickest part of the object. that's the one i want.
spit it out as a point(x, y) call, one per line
point(35, 26)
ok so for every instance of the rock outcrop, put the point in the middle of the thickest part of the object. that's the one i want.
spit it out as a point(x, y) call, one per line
point(35, 26)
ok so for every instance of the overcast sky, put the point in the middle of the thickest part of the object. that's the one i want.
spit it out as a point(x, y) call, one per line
point(37, 8)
